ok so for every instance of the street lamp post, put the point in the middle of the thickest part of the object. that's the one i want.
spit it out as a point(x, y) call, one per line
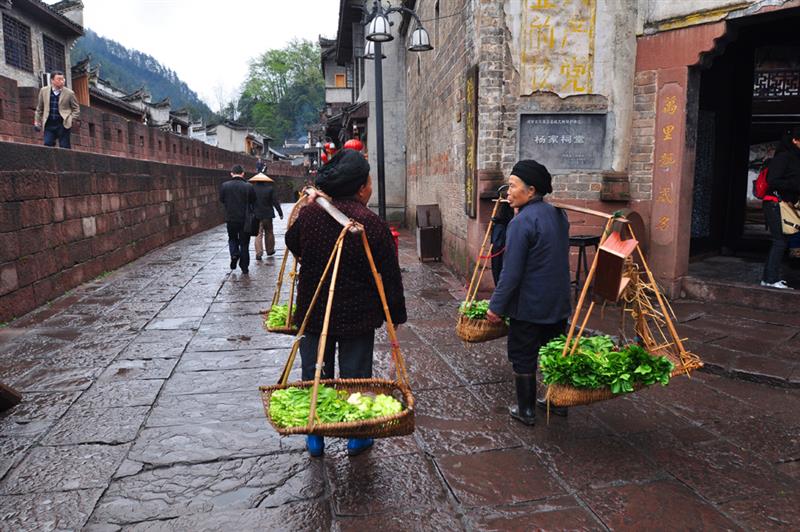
point(378, 26)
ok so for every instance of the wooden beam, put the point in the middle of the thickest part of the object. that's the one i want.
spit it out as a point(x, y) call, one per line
point(584, 210)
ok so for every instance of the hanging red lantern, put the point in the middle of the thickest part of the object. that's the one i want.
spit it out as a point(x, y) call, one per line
point(354, 144)
point(323, 157)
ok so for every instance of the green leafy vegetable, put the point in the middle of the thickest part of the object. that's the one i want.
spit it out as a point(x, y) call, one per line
point(290, 407)
point(476, 310)
point(277, 315)
point(597, 363)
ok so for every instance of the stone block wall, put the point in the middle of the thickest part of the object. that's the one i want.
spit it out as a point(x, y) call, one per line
point(68, 216)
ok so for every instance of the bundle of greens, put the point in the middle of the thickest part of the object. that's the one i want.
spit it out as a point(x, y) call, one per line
point(290, 407)
point(277, 315)
point(475, 310)
point(597, 363)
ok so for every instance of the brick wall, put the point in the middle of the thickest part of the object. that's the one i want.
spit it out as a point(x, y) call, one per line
point(643, 135)
point(68, 216)
point(435, 123)
point(436, 129)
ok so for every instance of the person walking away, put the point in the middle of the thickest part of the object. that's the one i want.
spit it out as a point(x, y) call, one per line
point(357, 310)
point(58, 108)
point(237, 195)
point(533, 291)
point(783, 178)
point(266, 204)
point(260, 166)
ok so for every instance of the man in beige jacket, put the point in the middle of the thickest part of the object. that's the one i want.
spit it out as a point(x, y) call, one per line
point(56, 108)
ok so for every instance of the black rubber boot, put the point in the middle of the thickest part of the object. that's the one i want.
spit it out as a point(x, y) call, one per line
point(524, 411)
point(554, 410)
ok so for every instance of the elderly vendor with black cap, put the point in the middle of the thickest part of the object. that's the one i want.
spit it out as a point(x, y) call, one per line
point(533, 290)
point(357, 309)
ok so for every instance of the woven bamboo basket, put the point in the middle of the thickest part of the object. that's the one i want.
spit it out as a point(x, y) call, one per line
point(399, 424)
point(474, 331)
point(291, 329)
point(564, 395)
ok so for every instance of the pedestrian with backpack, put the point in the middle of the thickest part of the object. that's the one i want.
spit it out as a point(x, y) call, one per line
point(783, 184)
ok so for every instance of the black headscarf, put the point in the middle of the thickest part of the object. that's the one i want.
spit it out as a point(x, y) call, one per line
point(345, 173)
point(535, 175)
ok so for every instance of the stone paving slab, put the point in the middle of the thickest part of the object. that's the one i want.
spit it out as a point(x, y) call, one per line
point(142, 412)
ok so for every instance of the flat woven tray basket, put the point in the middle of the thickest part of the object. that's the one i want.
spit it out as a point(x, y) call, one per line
point(472, 330)
point(563, 395)
point(291, 329)
point(399, 424)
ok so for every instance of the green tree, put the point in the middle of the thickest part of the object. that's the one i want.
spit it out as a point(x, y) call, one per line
point(284, 91)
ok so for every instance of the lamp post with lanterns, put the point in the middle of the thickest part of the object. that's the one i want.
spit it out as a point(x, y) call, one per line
point(377, 32)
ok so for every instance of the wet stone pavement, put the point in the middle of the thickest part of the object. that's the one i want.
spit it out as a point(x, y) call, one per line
point(142, 412)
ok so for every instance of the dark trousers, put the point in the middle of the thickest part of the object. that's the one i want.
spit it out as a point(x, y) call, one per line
point(772, 216)
point(524, 341)
point(355, 356)
point(239, 243)
point(54, 130)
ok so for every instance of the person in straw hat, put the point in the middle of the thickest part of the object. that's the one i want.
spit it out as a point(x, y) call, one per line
point(533, 290)
point(266, 204)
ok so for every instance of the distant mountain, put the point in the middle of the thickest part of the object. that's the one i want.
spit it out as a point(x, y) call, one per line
point(130, 70)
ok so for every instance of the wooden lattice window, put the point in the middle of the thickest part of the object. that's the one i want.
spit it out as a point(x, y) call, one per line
point(17, 41)
point(53, 55)
point(776, 83)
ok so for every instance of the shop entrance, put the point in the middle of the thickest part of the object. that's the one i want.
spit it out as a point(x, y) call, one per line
point(749, 96)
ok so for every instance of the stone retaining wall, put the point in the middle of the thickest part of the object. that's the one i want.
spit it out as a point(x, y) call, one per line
point(68, 216)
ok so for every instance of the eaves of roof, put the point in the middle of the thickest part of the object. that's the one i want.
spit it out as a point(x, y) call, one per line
point(44, 13)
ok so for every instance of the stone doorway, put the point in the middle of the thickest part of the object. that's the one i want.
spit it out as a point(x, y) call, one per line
point(748, 96)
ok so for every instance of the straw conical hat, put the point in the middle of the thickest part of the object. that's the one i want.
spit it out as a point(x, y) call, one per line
point(260, 178)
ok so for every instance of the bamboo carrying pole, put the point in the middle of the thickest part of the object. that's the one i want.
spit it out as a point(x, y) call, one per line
point(402, 376)
point(474, 283)
point(293, 276)
point(585, 290)
point(276, 297)
point(662, 304)
point(323, 337)
point(287, 368)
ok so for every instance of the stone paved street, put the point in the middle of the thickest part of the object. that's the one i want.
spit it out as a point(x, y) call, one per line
point(142, 412)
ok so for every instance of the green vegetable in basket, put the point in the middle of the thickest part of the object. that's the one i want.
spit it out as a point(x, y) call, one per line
point(476, 310)
point(290, 407)
point(277, 315)
point(596, 363)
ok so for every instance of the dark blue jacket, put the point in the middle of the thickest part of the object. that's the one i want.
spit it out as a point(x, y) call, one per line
point(534, 283)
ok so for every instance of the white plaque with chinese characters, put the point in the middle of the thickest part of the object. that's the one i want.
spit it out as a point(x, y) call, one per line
point(563, 141)
point(555, 41)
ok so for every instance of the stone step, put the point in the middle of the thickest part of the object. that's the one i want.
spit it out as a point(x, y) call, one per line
point(740, 294)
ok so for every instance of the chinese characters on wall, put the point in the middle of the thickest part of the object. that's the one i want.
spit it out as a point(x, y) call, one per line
point(471, 144)
point(563, 141)
point(557, 46)
point(669, 124)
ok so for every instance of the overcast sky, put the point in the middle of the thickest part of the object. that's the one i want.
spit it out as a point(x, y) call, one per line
point(209, 42)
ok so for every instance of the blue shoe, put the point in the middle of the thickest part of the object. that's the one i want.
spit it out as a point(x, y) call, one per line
point(315, 445)
point(357, 446)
